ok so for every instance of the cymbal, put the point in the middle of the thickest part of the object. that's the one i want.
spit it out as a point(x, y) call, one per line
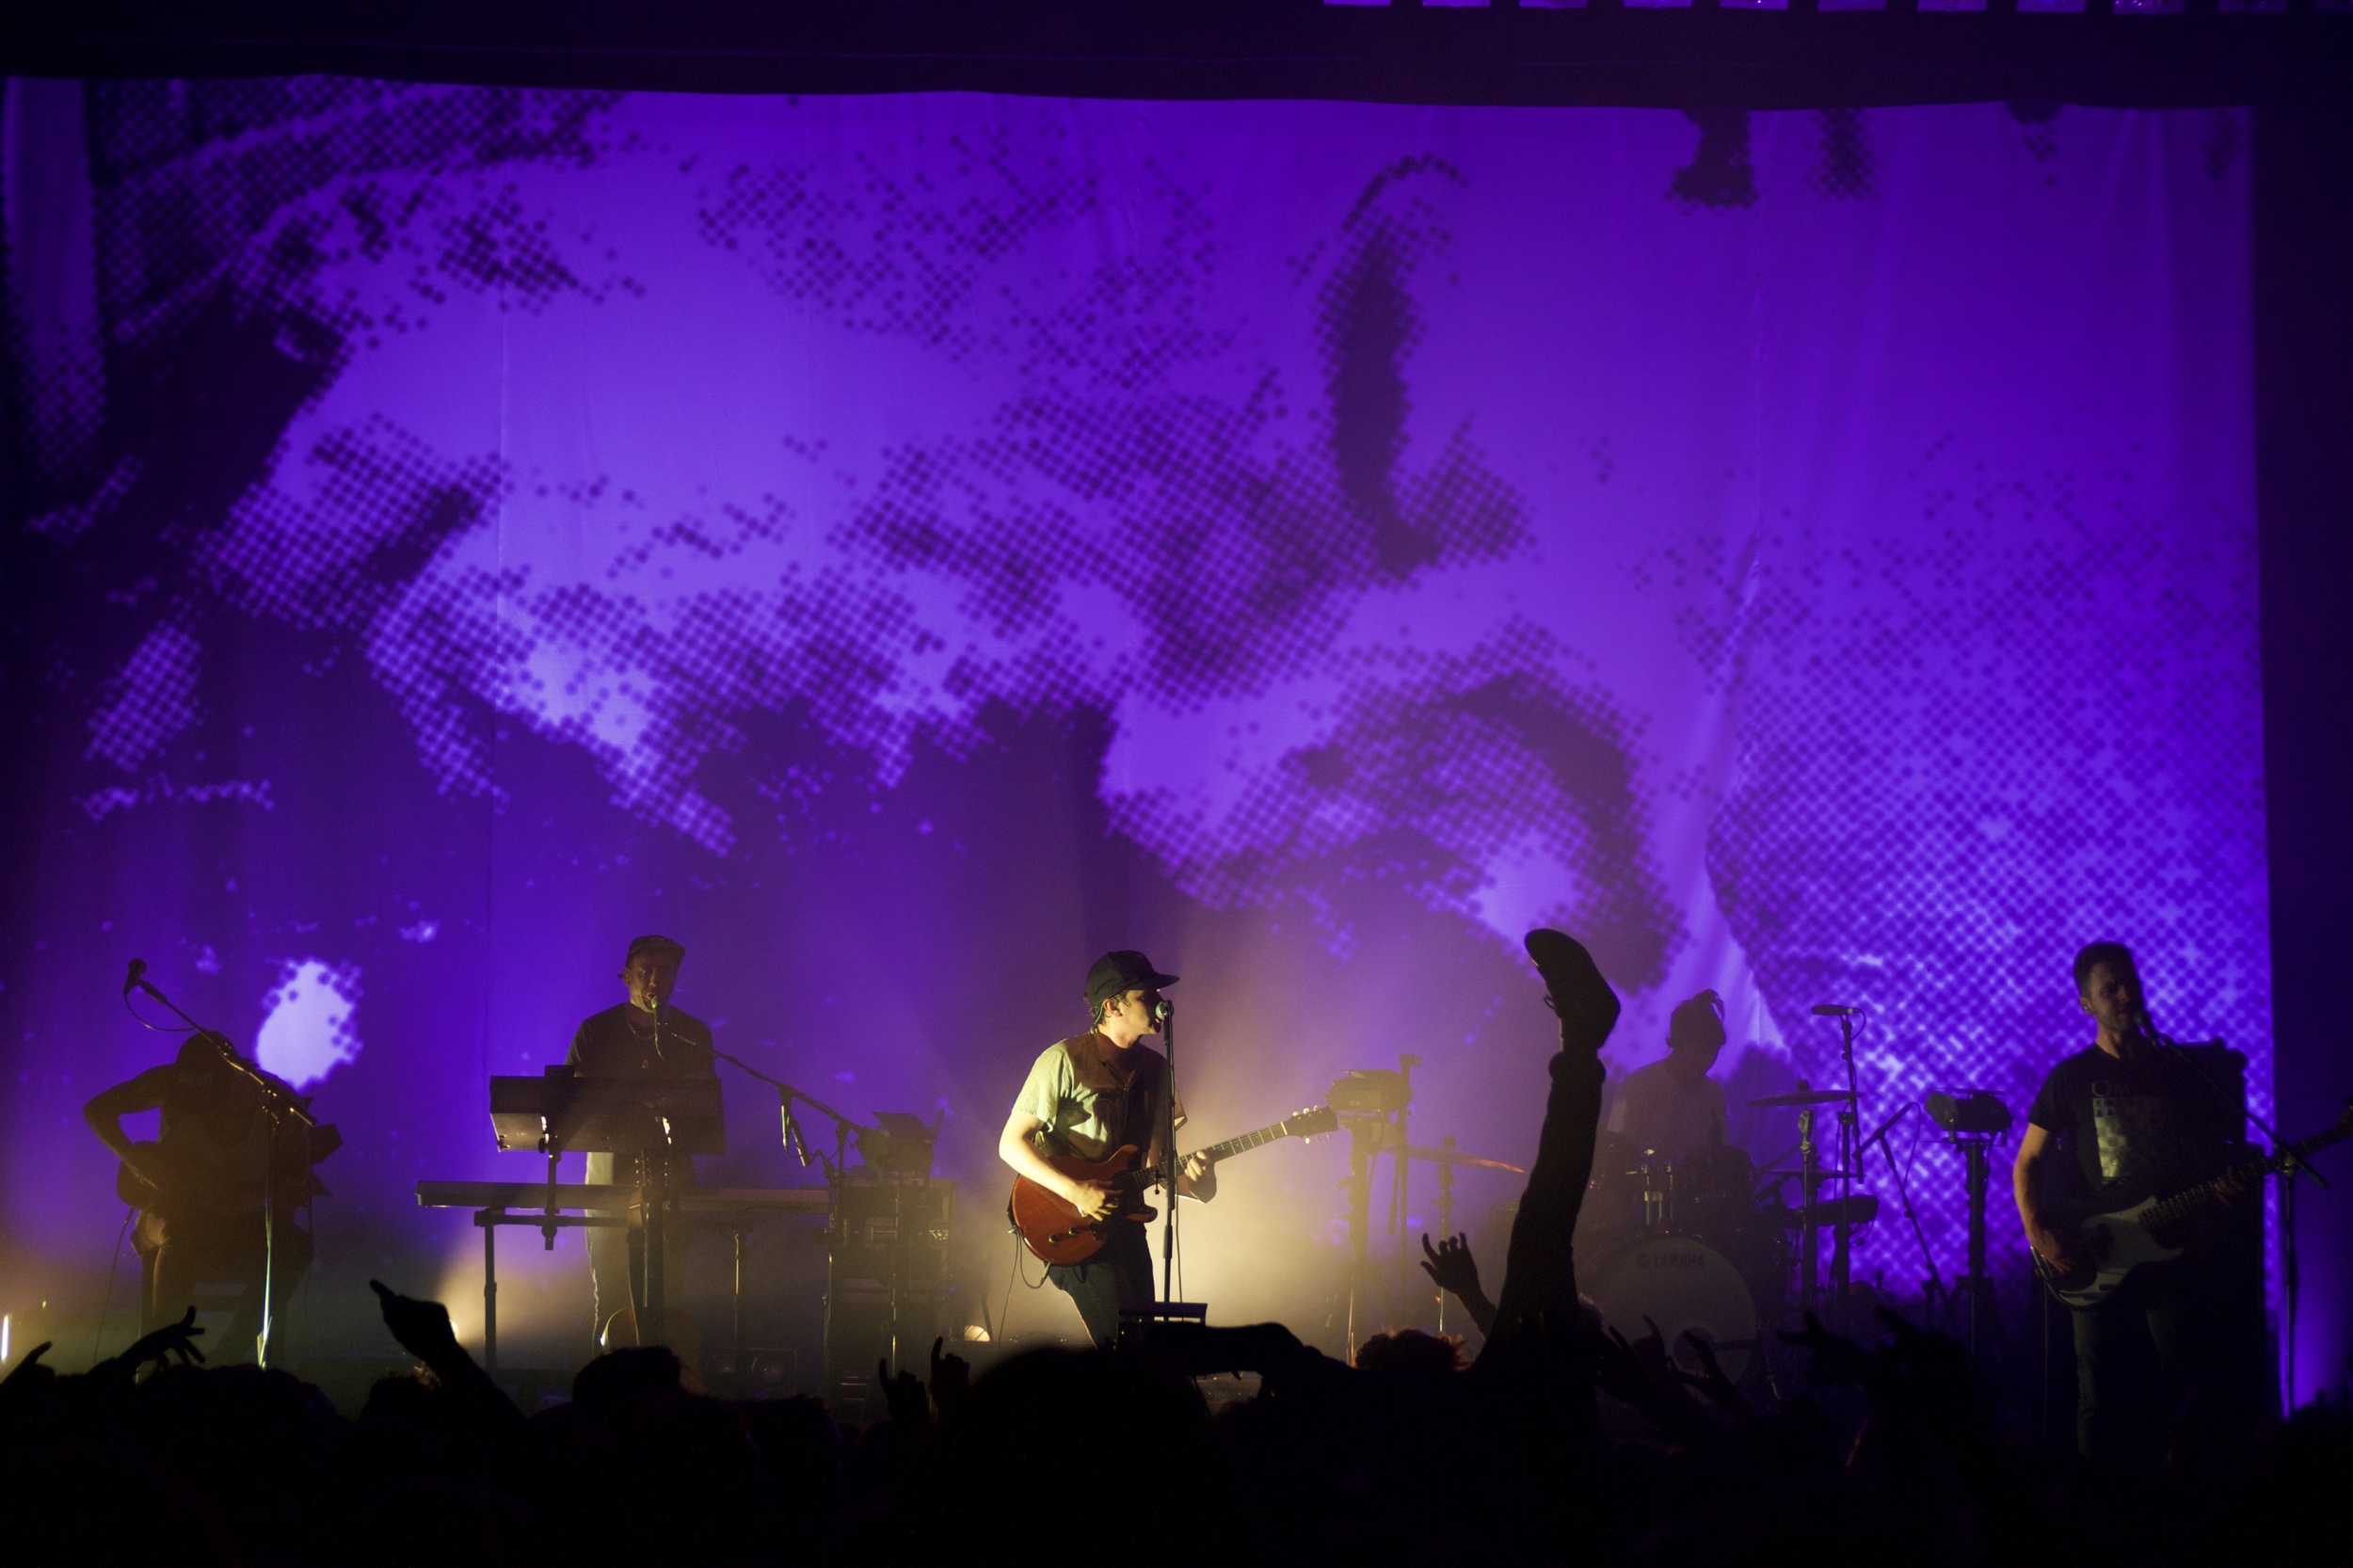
point(1455, 1157)
point(1805, 1096)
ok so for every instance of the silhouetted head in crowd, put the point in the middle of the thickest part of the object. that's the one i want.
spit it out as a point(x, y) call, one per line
point(1411, 1354)
point(626, 1380)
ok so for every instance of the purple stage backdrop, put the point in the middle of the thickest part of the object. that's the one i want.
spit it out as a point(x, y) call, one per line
point(902, 546)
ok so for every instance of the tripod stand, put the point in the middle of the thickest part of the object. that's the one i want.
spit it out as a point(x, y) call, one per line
point(1976, 1288)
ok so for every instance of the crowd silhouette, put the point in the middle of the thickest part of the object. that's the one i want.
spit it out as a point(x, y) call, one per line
point(1562, 1442)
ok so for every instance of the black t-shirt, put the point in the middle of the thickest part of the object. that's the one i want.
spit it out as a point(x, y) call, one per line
point(2139, 1129)
point(621, 1042)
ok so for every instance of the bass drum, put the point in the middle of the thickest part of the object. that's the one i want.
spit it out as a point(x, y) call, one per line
point(1683, 1286)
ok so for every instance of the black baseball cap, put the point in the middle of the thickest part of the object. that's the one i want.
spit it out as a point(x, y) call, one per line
point(1119, 972)
point(653, 944)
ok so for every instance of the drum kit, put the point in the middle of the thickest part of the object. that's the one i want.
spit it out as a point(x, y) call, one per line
point(1705, 1243)
point(1711, 1246)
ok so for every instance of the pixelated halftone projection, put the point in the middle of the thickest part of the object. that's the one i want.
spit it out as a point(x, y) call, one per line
point(2226, 138)
point(1424, 506)
point(1845, 168)
point(309, 1021)
point(1975, 842)
point(1720, 173)
point(2038, 126)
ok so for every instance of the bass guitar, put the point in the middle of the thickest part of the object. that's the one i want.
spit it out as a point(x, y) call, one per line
point(2114, 1246)
point(1052, 1227)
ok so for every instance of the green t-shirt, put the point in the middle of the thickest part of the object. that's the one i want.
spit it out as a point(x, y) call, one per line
point(1087, 1109)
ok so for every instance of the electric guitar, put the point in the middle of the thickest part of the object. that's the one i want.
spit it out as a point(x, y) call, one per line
point(2117, 1245)
point(1052, 1227)
point(181, 1190)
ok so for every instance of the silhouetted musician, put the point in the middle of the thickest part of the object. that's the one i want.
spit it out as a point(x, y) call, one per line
point(641, 1037)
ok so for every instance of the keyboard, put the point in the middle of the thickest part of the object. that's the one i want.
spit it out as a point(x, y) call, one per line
point(584, 1194)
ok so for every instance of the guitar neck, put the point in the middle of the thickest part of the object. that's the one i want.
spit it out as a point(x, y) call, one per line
point(1216, 1152)
point(2182, 1205)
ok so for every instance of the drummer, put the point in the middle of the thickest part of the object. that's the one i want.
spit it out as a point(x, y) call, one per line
point(1672, 1108)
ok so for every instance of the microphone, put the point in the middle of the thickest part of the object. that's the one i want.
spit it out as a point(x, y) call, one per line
point(1832, 1009)
point(137, 972)
point(1164, 1010)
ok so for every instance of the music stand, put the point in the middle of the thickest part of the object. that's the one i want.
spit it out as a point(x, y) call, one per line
point(563, 1112)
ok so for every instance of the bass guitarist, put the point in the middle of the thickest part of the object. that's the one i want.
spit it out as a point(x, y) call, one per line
point(2128, 1119)
point(1090, 1095)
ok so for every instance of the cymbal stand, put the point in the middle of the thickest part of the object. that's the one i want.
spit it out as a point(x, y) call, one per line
point(1809, 1236)
point(1850, 1156)
point(1446, 1214)
point(1398, 1193)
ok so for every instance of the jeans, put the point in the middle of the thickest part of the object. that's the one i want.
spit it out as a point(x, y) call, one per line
point(1119, 1276)
point(2138, 1356)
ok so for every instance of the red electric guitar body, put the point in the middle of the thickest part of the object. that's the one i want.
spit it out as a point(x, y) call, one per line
point(1054, 1230)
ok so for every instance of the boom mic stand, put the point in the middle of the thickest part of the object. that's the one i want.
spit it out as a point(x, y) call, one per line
point(1935, 1281)
point(796, 1141)
point(2288, 1172)
point(279, 1105)
point(1164, 1012)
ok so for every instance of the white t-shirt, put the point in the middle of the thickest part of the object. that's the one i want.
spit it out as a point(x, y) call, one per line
point(1657, 1112)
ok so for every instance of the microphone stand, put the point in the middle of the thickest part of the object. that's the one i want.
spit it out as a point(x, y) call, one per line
point(1888, 1147)
point(796, 1142)
point(1166, 1013)
point(2288, 1172)
point(280, 1106)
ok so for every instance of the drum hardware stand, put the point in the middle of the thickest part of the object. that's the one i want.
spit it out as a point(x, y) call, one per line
point(1658, 1204)
point(1850, 1154)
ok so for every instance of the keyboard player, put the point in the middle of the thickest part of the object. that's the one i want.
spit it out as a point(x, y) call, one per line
point(641, 1037)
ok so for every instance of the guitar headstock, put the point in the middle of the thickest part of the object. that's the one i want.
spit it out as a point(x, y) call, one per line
point(1317, 1120)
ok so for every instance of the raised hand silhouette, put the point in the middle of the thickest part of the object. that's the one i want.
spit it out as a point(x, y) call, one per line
point(1451, 1265)
point(951, 1380)
point(910, 1406)
point(172, 1340)
point(1710, 1379)
point(422, 1328)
